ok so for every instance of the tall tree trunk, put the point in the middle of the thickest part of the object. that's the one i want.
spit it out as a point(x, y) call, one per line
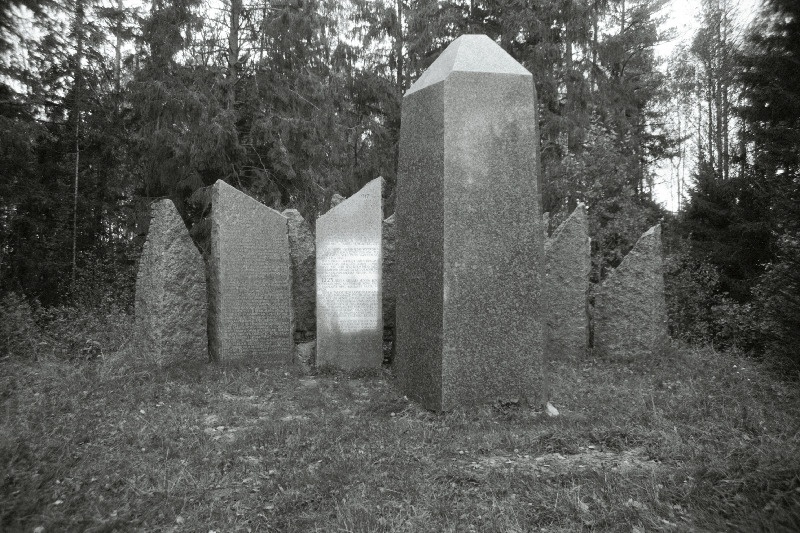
point(710, 119)
point(118, 50)
point(570, 104)
point(76, 110)
point(233, 51)
point(718, 87)
point(725, 103)
point(595, 17)
point(398, 41)
point(742, 152)
point(263, 35)
point(725, 132)
point(680, 160)
point(700, 155)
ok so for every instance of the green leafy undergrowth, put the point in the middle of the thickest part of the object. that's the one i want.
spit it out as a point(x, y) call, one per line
point(696, 441)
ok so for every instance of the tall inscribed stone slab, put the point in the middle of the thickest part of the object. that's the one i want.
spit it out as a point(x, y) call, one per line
point(567, 261)
point(250, 317)
point(630, 312)
point(349, 318)
point(469, 237)
point(170, 305)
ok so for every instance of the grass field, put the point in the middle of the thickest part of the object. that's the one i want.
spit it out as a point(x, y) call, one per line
point(696, 441)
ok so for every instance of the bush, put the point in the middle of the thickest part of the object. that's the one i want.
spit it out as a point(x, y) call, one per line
point(80, 333)
point(700, 313)
point(690, 294)
point(31, 332)
point(20, 336)
point(736, 325)
point(777, 301)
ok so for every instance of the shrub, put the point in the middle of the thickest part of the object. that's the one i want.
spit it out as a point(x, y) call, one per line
point(690, 294)
point(736, 325)
point(777, 301)
point(20, 336)
point(29, 331)
point(700, 313)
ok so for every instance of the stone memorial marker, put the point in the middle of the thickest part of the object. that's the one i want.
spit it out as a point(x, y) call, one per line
point(567, 259)
point(170, 305)
point(349, 320)
point(630, 312)
point(303, 255)
point(250, 299)
point(469, 244)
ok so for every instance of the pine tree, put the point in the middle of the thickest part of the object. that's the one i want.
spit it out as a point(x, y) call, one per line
point(771, 112)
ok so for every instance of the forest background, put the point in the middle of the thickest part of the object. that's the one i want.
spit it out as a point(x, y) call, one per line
point(106, 106)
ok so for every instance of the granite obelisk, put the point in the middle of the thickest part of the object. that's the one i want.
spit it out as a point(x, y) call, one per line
point(469, 233)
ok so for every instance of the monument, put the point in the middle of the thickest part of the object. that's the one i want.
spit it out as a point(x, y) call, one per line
point(469, 239)
point(302, 253)
point(630, 311)
point(567, 261)
point(250, 300)
point(349, 319)
point(170, 305)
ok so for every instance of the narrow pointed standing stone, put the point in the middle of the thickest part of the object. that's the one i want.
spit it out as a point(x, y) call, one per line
point(568, 259)
point(349, 318)
point(303, 255)
point(630, 312)
point(469, 235)
point(250, 300)
point(170, 304)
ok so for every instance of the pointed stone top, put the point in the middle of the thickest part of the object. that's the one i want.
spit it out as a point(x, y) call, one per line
point(223, 187)
point(469, 53)
point(164, 218)
point(654, 230)
point(164, 209)
point(372, 188)
point(575, 225)
point(648, 243)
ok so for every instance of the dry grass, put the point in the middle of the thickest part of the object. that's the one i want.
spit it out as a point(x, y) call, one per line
point(695, 441)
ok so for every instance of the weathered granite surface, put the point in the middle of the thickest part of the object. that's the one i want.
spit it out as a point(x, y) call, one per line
point(567, 262)
point(630, 317)
point(250, 300)
point(170, 304)
point(389, 282)
point(349, 319)
point(303, 255)
point(469, 244)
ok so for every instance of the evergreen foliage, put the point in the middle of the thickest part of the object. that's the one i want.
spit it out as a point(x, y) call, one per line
point(771, 113)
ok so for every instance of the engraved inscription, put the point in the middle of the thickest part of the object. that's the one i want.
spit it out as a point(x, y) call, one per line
point(349, 317)
point(251, 289)
point(348, 284)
